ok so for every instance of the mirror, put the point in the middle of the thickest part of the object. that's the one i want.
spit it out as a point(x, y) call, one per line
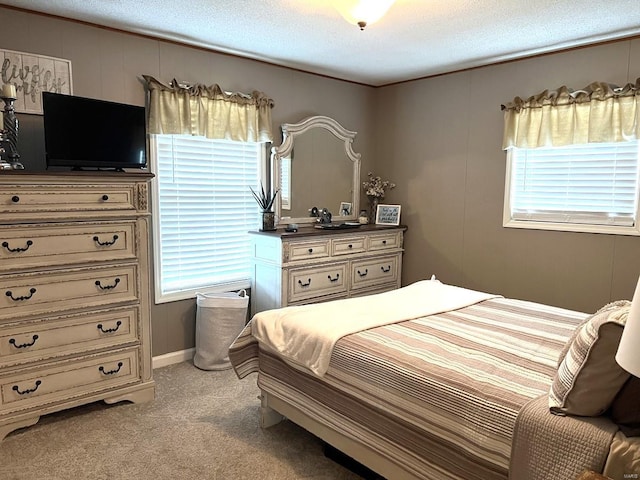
point(315, 166)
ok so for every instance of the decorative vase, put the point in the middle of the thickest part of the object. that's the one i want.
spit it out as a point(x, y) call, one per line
point(268, 222)
point(363, 217)
point(373, 208)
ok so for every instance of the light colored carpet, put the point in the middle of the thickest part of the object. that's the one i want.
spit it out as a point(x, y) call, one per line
point(202, 425)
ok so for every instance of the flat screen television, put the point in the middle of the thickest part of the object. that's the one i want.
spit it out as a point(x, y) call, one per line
point(90, 134)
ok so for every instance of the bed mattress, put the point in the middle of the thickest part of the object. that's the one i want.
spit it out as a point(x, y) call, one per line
point(438, 395)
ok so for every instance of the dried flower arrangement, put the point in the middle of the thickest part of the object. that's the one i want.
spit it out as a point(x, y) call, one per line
point(376, 187)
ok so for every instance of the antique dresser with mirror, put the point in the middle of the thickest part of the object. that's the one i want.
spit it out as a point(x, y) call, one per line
point(315, 166)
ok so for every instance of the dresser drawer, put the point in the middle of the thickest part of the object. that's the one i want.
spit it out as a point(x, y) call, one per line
point(306, 283)
point(56, 337)
point(307, 250)
point(346, 246)
point(368, 272)
point(64, 380)
point(385, 241)
point(360, 292)
point(61, 290)
point(25, 199)
point(65, 244)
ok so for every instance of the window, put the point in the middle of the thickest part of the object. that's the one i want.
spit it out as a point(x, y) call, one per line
point(584, 188)
point(202, 213)
point(285, 183)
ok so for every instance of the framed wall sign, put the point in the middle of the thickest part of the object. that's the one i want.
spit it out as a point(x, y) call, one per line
point(388, 215)
point(32, 75)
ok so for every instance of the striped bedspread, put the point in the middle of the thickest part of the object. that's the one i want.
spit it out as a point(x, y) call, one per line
point(439, 394)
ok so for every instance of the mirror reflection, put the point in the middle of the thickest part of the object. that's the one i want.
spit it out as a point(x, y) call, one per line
point(316, 167)
point(321, 172)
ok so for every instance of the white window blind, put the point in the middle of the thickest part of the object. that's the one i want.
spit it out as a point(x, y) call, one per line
point(592, 184)
point(203, 212)
point(285, 183)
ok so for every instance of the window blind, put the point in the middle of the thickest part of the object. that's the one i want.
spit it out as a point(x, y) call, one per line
point(205, 209)
point(285, 183)
point(595, 184)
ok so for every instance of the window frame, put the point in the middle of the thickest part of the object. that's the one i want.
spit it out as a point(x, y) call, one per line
point(509, 222)
point(159, 296)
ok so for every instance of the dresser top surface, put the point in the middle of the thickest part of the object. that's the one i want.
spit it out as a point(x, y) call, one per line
point(22, 176)
point(312, 231)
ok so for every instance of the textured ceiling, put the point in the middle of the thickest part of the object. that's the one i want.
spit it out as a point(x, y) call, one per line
point(416, 38)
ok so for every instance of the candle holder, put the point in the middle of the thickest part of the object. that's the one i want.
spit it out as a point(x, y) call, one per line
point(4, 165)
point(10, 140)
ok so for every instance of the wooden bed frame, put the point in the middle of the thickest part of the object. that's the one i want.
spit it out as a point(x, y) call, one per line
point(273, 410)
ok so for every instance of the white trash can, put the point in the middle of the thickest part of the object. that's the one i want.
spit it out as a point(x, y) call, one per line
point(220, 317)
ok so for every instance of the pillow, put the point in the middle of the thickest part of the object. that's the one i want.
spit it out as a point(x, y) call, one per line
point(607, 308)
point(588, 378)
point(625, 410)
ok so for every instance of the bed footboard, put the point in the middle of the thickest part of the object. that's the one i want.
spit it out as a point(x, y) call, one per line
point(349, 446)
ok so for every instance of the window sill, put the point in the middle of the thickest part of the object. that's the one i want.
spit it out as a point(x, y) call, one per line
point(191, 293)
point(572, 227)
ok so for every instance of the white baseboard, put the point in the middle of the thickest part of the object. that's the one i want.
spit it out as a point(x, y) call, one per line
point(173, 357)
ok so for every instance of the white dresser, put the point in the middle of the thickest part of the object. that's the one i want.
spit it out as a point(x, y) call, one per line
point(74, 292)
point(314, 265)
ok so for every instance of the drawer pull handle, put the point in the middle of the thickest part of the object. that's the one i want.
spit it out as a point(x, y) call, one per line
point(12, 341)
point(350, 246)
point(387, 270)
point(110, 330)
point(106, 243)
point(108, 287)
point(363, 274)
point(384, 242)
point(305, 284)
point(311, 250)
point(15, 199)
point(24, 297)
point(110, 372)
point(334, 279)
point(105, 198)
point(17, 249)
point(15, 388)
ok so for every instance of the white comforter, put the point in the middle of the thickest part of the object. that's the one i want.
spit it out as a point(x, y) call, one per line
point(305, 335)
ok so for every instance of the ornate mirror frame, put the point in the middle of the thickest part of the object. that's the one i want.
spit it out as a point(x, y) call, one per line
point(289, 132)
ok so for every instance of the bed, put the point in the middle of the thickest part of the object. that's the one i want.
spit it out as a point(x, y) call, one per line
point(432, 381)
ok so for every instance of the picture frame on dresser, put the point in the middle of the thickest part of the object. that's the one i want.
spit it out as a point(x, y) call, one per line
point(345, 209)
point(388, 214)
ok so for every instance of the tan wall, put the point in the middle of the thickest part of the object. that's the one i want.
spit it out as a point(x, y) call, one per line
point(439, 140)
point(108, 65)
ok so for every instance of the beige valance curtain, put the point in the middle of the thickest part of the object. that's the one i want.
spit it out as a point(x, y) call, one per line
point(598, 113)
point(208, 111)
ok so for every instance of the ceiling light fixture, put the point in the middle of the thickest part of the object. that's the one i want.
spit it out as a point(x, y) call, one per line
point(362, 12)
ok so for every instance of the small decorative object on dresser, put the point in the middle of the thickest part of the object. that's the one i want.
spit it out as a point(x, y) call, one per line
point(9, 145)
point(265, 200)
point(375, 188)
point(388, 215)
point(74, 284)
